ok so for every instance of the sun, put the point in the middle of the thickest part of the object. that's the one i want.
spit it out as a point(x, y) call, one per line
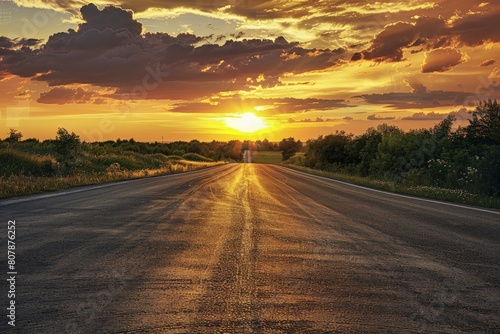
point(246, 122)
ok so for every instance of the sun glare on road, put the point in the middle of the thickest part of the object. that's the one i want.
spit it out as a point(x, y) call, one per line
point(246, 122)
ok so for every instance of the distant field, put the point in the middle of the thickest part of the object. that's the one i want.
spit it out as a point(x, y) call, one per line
point(270, 157)
point(266, 157)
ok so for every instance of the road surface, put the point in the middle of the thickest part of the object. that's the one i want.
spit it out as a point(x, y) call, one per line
point(246, 248)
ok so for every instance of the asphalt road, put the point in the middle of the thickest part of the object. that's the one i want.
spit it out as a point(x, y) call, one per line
point(246, 248)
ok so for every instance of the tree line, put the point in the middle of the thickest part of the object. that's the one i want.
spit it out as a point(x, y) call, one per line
point(467, 158)
point(67, 146)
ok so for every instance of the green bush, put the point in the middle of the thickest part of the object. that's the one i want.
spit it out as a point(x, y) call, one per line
point(19, 163)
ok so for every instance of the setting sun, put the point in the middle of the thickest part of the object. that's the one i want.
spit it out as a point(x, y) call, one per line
point(246, 122)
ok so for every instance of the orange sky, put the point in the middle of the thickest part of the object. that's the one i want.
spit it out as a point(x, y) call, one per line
point(189, 69)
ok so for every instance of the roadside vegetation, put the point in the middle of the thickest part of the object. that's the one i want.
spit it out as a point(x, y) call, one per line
point(30, 166)
point(461, 165)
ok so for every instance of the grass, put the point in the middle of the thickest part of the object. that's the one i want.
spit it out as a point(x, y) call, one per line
point(441, 194)
point(20, 185)
point(270, 157)
point(266, 157)
point(31, 167)
point(26, 168)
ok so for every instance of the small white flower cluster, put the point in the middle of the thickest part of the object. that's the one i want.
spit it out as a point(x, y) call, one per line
point(439, 162)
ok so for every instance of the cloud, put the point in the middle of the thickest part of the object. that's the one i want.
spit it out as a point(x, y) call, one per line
point(309, 120)
point(68, 6)
point(108, 18)
point(58, 5)
point(108, 50)
point(327, 23)
point(61, 95)
point(416, 86)
point(487, 62)
point(442, 60)
point(379, 118)
point(255, 9)
point(421, 116)
point(477, 28)
point(495, 74)
point(9, 43)
point(461, 114)
point(415, 100)
point(23, 94)
point(473, 29)
point(388, 45)
point(270, 106)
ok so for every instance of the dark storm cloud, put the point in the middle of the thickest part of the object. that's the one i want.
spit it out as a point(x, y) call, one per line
point(469, 30)
point(9, 43)
point(272, 106)
point(396, 26)
point(109, 51)
point(388, 45)
point(477, 29)
point(108, 18)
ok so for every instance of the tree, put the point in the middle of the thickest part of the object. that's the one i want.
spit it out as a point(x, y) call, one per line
point(288, 148)
point(264, 145)
point(67, 145)
point(363, 150)
point(14, 136)
point(485, 123)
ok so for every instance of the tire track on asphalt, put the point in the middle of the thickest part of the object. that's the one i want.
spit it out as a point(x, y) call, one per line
point(228, 302)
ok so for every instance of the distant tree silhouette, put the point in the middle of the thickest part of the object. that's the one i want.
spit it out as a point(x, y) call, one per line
point(288, 147)
point(14, 136)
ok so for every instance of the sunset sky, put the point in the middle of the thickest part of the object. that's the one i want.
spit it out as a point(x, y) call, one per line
point(242, 69)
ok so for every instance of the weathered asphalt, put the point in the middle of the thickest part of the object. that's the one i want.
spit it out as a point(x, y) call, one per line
point(247, 248)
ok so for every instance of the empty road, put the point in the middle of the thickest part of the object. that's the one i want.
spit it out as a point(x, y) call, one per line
point(247, 248)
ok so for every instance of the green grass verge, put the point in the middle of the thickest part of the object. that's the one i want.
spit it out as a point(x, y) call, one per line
point(266, 157)
point(22, 185)
point(271, 157)
point(441, 194)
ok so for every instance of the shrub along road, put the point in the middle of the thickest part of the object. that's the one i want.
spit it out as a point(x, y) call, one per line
point(246, 248)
